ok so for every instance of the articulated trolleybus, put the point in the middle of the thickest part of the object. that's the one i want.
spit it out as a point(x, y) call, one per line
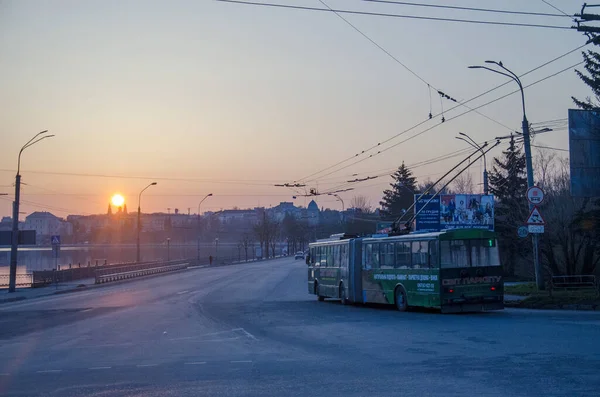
point(454, 271)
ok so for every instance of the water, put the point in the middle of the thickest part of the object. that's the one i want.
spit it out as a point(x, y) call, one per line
point(42, 258)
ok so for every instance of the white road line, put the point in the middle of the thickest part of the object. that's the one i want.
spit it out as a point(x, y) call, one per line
point(240, 361)
point(94, 368)
point(49, 371)
point(87, 310)
point(196, 363)
point(4, 374)
point(146, 365)
point(183, 292)
point(248, 334)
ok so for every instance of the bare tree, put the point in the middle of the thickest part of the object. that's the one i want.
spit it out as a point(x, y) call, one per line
point(464, 183)
point(362, 203)
point(544, 161)
point(428, 183)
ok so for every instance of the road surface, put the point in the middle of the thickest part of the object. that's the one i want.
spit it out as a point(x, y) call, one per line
point(252, 329)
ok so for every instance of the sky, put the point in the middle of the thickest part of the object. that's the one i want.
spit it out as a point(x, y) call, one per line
point(211, 97)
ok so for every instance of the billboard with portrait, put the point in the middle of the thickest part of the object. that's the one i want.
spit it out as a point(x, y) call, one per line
point(454, 211)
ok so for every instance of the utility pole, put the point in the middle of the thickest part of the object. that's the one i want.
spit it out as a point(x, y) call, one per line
point(12, 278)
point(139, 222)
point(478, 147)
point(539, 277)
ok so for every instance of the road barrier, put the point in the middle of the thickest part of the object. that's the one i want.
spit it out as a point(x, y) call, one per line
point(582, 282)
point(22, 280)
point(132, 271)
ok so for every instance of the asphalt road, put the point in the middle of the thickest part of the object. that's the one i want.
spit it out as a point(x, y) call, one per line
point(253, 330)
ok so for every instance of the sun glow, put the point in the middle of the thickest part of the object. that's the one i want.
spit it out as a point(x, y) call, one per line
point(117, 200)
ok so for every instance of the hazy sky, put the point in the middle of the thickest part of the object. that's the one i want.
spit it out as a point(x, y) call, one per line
point(204, 96)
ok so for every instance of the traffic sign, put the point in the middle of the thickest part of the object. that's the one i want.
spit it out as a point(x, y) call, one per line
point(535, 218)
point(522, 231)
point(536, 229)
point(55, 240)
point(535, 195)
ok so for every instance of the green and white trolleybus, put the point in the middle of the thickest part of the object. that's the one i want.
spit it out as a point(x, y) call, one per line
point(454, 271)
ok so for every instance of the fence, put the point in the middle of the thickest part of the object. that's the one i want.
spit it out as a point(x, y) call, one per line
point(22, 280)
point(132, 271)
point(587, 282)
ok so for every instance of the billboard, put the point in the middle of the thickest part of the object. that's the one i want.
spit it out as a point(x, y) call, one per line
point(584, 152)
point(383, 227)
point(454, 211)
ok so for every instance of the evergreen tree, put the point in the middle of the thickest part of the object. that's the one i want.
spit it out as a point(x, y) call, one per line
point(401, 195)
point(508, 183)
point(592, 79)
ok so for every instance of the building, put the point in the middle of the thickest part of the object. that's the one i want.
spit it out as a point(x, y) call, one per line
point(47, 224)
point(6, 223)
point(227, 217)
point(285, 209)
point(312, 213)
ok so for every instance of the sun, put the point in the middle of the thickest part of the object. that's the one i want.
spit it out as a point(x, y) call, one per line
point(117, 200)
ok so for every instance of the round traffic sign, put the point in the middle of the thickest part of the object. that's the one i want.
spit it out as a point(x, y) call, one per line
point(535, 195)
point(522, 231)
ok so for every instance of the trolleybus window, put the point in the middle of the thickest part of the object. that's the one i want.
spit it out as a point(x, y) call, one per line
point(433, 254)
point(455, 254)
point(420, 255)
point(484, 253)
point(344, 256)
point(402, 255)
point(387, 255)
point(336, 256)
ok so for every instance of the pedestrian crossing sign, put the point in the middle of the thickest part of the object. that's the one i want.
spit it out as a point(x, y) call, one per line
point(55, 240)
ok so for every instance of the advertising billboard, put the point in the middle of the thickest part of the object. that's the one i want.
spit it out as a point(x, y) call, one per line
point(454, 211)
point(584, 152)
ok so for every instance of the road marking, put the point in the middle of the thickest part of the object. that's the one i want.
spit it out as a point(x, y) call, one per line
point(183, 292)
point(87, 310)
point(248, 334)
point(146, 365)
point(4, 374)
point(49, 371)
point(94, 368)
point(196, 363)
point(241, 361)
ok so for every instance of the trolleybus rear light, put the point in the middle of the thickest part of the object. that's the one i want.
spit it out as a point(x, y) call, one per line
point(493, 288)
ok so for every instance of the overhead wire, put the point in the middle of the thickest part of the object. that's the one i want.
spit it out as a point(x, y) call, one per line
point(403, 16)
point(490, 10)
point(454, 107)
point(557, 9)
point(452, 118)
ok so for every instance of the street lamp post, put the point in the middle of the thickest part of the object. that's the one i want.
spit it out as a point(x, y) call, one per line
point(12, 280)
point(168, 249)
point(471, 142)
point(339, 199)
point(139, 221)
point(527, 144)
point(199, 204)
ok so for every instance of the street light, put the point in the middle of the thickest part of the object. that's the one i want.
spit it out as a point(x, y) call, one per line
point(15, 218)
point(471, 142)
point(205, 197)
point(139, 220)
point(168, 249)
point(527, 144)
point(339, 199)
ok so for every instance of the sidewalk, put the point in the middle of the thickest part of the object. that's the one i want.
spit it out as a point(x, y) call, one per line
point(30, 293)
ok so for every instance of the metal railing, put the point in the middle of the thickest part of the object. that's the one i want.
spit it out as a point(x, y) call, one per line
point(131, 271)
point(581, 282)
point(22, 280)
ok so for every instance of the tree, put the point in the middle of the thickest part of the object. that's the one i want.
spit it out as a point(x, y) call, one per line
point(591, 61)
point(362, 203)
point(464, 183)
point(571, 242)
point(428, 183)
point(508, 182)
point(400, 197)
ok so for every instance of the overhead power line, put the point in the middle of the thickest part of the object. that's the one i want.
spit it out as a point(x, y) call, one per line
point(393, 137)
point(405, 3)
point(557, 9)
point(455, 117)
point(379, 14)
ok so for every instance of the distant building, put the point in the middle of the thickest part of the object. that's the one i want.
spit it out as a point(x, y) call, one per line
point(47, 224)
point(312, 213)
point(285, 208)
point(227, 217)
point(6, 223)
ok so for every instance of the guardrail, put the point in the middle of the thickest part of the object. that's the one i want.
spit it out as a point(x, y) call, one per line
point(587, 282)
point(22, 280)
point(132, 271)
